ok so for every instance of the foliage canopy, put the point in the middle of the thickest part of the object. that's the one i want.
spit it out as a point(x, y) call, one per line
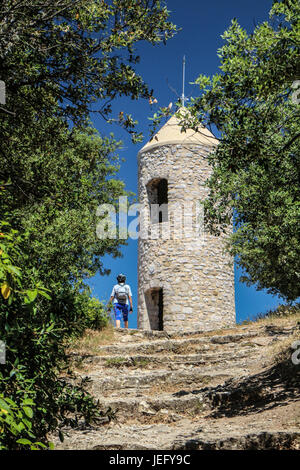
point(254, 103)
point(60, 61)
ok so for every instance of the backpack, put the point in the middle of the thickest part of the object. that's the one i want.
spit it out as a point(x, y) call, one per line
point(121, 294)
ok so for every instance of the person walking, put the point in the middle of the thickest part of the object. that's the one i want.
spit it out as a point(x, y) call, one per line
point(121, 297)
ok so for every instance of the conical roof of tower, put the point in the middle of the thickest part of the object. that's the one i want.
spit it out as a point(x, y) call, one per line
point(171, 134)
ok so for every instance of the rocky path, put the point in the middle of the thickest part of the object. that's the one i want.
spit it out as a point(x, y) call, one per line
point(213, 390)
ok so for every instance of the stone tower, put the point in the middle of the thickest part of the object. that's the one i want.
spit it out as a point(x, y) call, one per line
point(185, 280)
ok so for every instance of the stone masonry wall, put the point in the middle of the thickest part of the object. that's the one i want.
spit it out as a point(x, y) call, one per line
point(195, 274)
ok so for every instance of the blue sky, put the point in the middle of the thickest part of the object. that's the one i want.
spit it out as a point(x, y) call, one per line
point(202, 24)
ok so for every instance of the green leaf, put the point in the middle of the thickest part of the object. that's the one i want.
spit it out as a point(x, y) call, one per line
point(28, 401)
point(27, 423)
point(4, 405)
point(23, 441)
point(40, 444)
point(44, 294)
point(31, 294)
point(28, 411)
point(20, 427)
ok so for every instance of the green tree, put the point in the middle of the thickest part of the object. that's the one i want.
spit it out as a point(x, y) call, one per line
point(79, 54)
point(60, 60)
point(34, 399)
point(253, 103)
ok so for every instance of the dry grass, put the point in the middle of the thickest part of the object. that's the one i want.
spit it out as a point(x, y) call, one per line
point(282, 315)
point(91, 340)
point(281, 351)
point(289, 320)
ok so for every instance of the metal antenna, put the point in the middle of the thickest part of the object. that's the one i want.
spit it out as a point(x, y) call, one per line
point(183, 98)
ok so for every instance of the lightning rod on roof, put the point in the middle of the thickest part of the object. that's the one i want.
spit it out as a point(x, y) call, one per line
point(183, 98)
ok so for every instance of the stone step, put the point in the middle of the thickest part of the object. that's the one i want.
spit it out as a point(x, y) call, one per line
point(139, 380)
point(176, 346)
point(163, 436)
point(268, 328)
point(170, 361)
point(263, 440)
point(186, 391)
point(125, 437)
point(166, 407)
point(128, 335)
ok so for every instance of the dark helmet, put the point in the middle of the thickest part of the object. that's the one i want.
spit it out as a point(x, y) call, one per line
point(121, 278)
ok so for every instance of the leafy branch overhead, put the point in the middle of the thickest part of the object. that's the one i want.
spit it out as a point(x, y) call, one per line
point(60, 60)
point(80, 54)
point(252, 102)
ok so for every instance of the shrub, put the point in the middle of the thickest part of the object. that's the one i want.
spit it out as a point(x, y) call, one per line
point(92, 311)
point(281, 311)
point(34, 398)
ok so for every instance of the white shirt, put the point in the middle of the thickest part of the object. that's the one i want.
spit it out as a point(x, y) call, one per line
point(114, 291)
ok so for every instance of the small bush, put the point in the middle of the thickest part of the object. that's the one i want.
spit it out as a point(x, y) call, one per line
point(35, 328)
point(91, 311)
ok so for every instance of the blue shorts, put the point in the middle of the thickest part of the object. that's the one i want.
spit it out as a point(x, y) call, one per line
point(121, 311)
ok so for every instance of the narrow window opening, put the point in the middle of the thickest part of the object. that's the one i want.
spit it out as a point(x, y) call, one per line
point(155, 307)
point(160, 310)
point(157, 190)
